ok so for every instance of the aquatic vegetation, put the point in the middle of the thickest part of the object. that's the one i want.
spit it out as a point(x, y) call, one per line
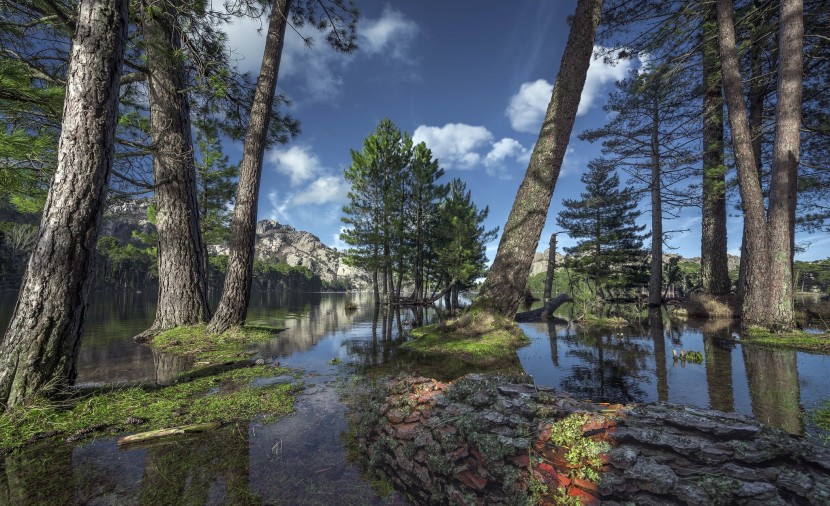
point(794, 339)
point(226, 396)
point(821, 416)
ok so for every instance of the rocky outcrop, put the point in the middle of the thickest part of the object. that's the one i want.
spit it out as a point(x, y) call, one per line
point(298, 248)
point(540, 262)
point(488, 440)
point(123, 217)
point(274, 242)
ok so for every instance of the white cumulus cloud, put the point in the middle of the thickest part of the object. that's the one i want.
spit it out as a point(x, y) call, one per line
point(323, 190)
point(527, 107)
point(296, 162)
point(503, 150)
point(391, 34)
point(455, 145)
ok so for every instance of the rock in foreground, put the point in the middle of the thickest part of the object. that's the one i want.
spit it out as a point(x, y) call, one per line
point(487, 439)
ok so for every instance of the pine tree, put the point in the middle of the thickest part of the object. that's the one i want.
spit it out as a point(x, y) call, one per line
point(462, 238)
point(426, 194)
point(610, 250)
point(373, 216)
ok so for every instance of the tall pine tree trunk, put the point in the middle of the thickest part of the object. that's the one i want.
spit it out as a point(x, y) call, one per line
point(182, 294)
point(655, 281)
point(786, 151)
point(769, 239)
point(551, 270)
point(714, 261)
point(503, 289)
point(233, 306)
point(40, 346)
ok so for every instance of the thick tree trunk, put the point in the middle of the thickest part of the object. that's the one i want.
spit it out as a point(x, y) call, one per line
point(655, 281)
point(40, 346)
point(714, 261)
point(551, 268)
point(782, 197)
point(233, 306)
point(755, 247)
point(182, 293)
point(503, 289)
point(768, 300)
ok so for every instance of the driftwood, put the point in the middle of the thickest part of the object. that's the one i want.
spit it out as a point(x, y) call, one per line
point(542, 313)
point(172, 431)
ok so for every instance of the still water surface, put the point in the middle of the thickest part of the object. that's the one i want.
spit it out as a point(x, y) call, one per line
point(302, 459)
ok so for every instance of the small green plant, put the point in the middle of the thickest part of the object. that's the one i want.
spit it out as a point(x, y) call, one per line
point(582, 452)
point(334, 361)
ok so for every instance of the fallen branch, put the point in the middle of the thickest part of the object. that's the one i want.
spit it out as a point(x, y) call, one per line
point(545, 311)
point(172, 431)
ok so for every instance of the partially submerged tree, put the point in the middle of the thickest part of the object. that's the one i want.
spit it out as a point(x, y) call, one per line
point(41, 344)
point(504, 287)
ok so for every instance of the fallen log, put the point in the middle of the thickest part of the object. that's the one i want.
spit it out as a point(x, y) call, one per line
point(142, 437)
point(486, 439)
point(542, 313)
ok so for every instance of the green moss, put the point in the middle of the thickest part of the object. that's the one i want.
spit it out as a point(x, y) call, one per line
point(792, 340)
point(591, 320)
point(196, 342)
point(226, 396)
point(583, 453)
point(476, 337)
point(720, 489)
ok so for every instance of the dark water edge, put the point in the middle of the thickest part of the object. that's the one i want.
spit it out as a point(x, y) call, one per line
point(302, 458)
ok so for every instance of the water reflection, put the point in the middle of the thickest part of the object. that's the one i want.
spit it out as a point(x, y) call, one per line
point(773, 385)
point(658, 338)
point(718, 345)
point(634, 365)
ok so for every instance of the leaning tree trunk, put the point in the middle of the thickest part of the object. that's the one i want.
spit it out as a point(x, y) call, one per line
point(752, 198)
point(655, 282)
point(782, 197)
point(714, 261)
point(233, 307)
point(40, 346)
point(182, 293)
point(503, 289)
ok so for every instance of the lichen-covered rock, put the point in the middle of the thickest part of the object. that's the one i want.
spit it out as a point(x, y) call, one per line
point(488, 439)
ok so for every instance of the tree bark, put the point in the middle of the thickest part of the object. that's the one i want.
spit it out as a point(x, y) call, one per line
point(233, 306)
point(786, 152)
point(714, 260)
point(551, 268)
point(40, 346)
point(503, 289)
point(768, 298)
point(755, 247)
point(182, 293)
point(655, 281)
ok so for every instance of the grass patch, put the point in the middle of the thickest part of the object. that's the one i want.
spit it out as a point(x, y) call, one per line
point(791, 340)
point(196, 342)
point(590, 320)
point(821, 416)
point(711, 306)
point(225, 397)
point(476, 337)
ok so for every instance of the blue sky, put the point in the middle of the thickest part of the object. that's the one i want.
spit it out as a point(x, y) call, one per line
point(470, 78)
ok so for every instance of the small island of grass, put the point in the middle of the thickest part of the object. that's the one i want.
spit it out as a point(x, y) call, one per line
point(476, 337)
point(796, 339)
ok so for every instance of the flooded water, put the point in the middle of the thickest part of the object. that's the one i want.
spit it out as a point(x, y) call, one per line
point(302, 458)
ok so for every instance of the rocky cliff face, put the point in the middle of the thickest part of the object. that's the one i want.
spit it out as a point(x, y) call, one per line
point(274, 242)
point(298, 248)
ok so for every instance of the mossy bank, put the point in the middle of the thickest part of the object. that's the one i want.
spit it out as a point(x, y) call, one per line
point(223, 386)
point(476, 337)
point(797, 339)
